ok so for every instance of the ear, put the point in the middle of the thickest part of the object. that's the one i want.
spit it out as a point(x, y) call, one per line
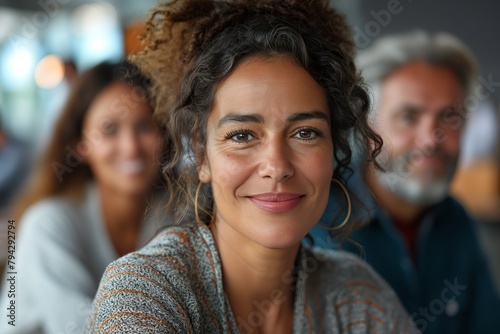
point(202, 164)
point(204, 173)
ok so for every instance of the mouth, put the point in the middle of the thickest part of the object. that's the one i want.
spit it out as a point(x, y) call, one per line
point(132, 167)
point(431, 161)
point(276, 202)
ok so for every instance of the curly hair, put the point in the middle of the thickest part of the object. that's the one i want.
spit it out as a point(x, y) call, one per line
point(193, 45)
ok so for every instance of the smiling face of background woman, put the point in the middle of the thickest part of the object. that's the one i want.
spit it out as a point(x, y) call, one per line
point(269, 153)
point(128, 139)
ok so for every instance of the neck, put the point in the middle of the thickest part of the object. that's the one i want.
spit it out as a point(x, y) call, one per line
point(123, 216)
point(257, 279)
point(397, 207)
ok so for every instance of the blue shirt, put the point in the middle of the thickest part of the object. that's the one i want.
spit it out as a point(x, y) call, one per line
point(449, 289)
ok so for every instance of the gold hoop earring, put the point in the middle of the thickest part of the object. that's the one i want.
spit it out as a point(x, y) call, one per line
point(349, 207)
point(196, 195)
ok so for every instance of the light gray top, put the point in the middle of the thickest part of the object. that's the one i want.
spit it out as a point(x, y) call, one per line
point(174, 285)
point(62, 250)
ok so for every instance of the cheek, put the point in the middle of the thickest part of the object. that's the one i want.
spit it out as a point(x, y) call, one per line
point(151, 144)
point(319, 168)
point(394, 136)
point(102, 154)
point(396, 142)
point(448, 139)
point(452, 141)
point(101, 165)
point(229, 171)
point(314, 165)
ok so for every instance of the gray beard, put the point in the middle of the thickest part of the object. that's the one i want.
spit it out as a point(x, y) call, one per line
point(402, 182)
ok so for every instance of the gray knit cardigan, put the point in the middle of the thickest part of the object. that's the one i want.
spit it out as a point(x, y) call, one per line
point(174, 285)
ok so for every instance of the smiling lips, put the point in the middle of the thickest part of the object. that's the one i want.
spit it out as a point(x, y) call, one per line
point(431, 161)
point(276, 202)
point(132, 167)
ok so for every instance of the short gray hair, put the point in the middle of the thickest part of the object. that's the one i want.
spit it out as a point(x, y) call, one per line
point(389, 53)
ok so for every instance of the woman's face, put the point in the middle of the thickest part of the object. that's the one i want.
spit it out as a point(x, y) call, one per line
point(269, 153)
point(120, 140)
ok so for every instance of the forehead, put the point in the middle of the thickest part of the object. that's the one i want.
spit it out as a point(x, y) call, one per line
point(117, 101)
point(271, 86)
point(422, 84)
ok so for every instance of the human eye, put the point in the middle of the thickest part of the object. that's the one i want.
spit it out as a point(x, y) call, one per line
point(307, 133)
point(452, 113)
point(239, 136)
point(109, 128)
point(407, 118)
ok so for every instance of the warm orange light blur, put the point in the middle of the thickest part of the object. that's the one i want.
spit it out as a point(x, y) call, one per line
point(49, 72)
point(131, 37)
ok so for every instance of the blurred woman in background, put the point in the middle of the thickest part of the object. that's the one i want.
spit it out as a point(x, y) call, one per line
point(86, 206)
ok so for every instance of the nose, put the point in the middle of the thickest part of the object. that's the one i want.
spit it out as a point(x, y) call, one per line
point(428, 135)
point(276, 161)
point(129, 144)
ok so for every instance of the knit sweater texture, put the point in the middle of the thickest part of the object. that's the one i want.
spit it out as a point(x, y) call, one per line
point(175, 285)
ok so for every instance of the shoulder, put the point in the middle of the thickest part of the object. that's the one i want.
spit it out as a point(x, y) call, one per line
point(452, 208)
point(348, 283)
point(343, 267)
point(155, 282)
point(185, 243)
point(453, 218)
point(172, 253)
point(451, 202)
point(54, 215)
point(54, 206)
point(51, 229)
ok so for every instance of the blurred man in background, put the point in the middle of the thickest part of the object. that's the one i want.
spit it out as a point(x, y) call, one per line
point(420, 240)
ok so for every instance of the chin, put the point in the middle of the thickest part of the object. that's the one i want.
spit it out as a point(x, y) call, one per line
point(134, 189)
point(424, 193)
point(277, 238)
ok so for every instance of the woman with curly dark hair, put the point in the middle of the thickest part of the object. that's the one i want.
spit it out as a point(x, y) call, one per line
point(260, 100)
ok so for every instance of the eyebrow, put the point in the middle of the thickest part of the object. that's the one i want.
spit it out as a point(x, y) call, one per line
point(238, 118)
point(409, 108)
point(303, 116)
point(256, 118)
